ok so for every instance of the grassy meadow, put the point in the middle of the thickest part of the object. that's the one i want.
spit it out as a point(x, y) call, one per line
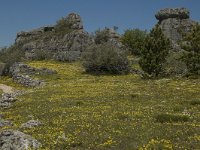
point(116, 112)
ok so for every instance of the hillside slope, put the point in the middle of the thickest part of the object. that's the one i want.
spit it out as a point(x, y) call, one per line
point(81, 111)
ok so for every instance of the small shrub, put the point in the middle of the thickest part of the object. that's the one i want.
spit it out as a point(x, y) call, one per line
point(174, 65)
point(105, 58)
point(11, 55)
point(101, 36)
point(162, 118)
point(63, 26)
point(2, 68)
point(42, 54)
point(195, 102)
point(134, 39)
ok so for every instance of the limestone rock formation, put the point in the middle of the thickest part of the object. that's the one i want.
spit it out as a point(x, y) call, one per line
point(181, 13)
point(175, 23)
point(21, 73)
point(47, 41)
point(24, 36)
point(17, 140)
point(76, 21)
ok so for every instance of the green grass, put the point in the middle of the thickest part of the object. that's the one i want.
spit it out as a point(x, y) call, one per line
point(162, 118)
point(195, 102)
point(82, 111)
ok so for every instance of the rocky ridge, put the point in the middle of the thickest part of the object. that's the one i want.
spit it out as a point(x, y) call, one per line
point(67, 47)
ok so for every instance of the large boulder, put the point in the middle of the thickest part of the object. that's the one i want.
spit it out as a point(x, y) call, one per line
point(175, 23)
point(17, 140)
point(181, 13)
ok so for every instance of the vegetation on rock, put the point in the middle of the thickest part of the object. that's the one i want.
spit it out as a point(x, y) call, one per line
point(134, 39)
point(192, 56)
point(101, 36)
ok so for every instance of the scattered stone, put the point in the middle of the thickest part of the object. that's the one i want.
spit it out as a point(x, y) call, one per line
point(26, 80)
point(17, 140)
point(21, 68)
point(31, 124)
point(4, 123)
point(7, 99)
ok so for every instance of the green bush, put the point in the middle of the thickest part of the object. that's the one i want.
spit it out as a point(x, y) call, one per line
point(101, 36)
point(192, 56)
point(195, 102)
point(2, 68)
point(154, 52)
point(63, 26)
point(11, 55)
point(174, 66)
point(162, 118)
point(105, 58)
point(134, 39)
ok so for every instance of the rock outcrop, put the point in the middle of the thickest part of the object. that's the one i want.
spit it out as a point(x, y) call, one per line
point(67, 47)
point(16, 140)
point(25, 36)
point(21, 73)
point(174, 24)
point(76, 21)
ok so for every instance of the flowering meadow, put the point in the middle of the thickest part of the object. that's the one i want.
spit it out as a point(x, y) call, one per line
point(79, 111)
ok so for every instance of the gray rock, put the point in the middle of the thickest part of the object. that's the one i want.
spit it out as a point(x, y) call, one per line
point(23, 36)
point(26, 80)
point(21, 68)
point(4, 123)
point(7, 99)
point(31, 124)
point(175, 23)
point(180, 13)
point(76, 21)
point(64, 48)
point(16, 140)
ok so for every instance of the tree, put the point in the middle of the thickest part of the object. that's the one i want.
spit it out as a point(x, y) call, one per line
point(101, 36)
point(154, 52)
point(134, 40)
point(192, 57)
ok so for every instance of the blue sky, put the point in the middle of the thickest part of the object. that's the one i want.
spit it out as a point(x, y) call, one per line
point(18, 15)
